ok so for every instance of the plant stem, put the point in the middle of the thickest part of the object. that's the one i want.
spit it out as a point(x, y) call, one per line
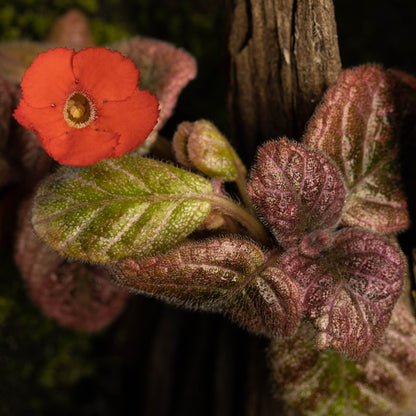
point(241, 180)
point(245, 218)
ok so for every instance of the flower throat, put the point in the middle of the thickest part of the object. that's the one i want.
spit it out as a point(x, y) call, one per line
point(79, 111)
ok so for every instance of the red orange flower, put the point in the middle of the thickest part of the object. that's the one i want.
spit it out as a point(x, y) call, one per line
point(85, 106)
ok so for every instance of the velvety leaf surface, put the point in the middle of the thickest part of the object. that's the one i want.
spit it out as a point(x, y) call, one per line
point(269, 305)
point(323, 383)
point(164, 70)
point(71, 30)
point(357, 126)
point(16, 57)
point(296, 190)
point(128, 207)
point(224, 275)
point(75, 295)
point(349, 291)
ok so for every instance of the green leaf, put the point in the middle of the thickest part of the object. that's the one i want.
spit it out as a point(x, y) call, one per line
point(227, 274)
point(75, 295)
point(358, 126)
point(129, 207)
point(327, 383)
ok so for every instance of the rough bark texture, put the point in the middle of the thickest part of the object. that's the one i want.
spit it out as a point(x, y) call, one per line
point(283, 55)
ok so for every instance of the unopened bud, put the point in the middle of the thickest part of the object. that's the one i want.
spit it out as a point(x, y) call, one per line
point(201, 145)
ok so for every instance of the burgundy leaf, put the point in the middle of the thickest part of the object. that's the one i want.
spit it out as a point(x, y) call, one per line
point(16, 57)
point(327, 383)
point(71, 30)
point(269, 305)
point(73, 294)
point(223, 275)
point(350, 290)
point(296, 190)
point(357, 126)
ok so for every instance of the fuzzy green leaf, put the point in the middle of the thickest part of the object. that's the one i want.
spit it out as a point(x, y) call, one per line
point(327, 383)
point(357, 125)
point(76, 295)
point(224, 274)
point(130, 207)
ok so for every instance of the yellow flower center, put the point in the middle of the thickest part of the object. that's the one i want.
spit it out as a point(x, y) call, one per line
point(79, 111)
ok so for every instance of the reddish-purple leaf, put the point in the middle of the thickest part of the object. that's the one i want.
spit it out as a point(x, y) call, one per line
point(224, 274)
point(164, 70)
point(296, 190)
point(269, 305)
point(357, 126)
point(73, 294)
point(16, 57)
point(325, 382)
point(71, 30)
point(350, 290)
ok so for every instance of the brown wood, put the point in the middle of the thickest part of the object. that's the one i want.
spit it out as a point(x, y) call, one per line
point(283, 55)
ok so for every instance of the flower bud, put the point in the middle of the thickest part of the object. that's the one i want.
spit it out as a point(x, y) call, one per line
point(201, 145)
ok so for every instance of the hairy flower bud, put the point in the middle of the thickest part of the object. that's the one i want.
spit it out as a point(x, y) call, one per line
point(201, 145)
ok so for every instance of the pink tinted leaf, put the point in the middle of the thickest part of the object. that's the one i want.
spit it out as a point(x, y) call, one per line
point(71, 30)
point(164, 70)
point(327, 383)
point(223, 275)
point(73, 294)
point(348, 292)
point(296, 190)
point(357, 126)
point(16, 57)
point(269, 305)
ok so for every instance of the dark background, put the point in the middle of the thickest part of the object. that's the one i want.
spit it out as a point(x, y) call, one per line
point(155, 359)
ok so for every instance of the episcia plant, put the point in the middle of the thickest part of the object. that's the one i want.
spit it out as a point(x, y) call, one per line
point(301, 249)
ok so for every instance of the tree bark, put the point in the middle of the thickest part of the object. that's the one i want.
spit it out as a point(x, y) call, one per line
point(283, 55)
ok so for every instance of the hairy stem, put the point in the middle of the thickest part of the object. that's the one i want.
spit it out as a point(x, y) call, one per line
point(242, 184)
point(245, 218)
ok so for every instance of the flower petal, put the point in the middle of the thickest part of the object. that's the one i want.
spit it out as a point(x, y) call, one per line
point(104, 74)
point(46, 123)
point(49, 80)
point(67, 145)
point(133, 119)
point(82, 147)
